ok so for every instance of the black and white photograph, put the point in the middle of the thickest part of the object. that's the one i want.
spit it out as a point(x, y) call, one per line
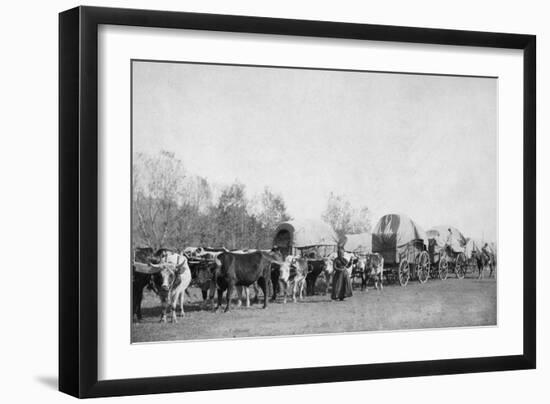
point(272, 201)
point(243, 201)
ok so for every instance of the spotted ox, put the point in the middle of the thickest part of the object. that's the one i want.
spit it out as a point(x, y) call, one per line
point(172, 282)
point(293, 275)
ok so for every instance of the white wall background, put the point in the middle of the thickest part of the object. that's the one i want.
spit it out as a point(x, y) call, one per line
point(28, 213)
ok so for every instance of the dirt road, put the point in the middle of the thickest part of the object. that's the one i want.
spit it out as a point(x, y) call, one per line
point(450, 303)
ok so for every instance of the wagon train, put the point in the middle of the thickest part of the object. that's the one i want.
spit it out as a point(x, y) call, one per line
point(403, 245)
point(397, 250)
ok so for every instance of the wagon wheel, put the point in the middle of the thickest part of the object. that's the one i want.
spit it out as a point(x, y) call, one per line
point(423, 267)
point(443, 268)
point(404, 273)
point(460, 266)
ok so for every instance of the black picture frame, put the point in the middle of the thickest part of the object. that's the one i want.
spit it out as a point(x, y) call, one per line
point(78, 200)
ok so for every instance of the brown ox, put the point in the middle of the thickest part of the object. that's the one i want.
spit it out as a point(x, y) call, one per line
point(243, 269)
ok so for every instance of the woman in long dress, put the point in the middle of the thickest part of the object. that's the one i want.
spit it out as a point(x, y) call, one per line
point(341, 283)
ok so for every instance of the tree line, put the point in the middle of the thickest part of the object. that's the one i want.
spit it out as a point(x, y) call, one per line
point(174, 208)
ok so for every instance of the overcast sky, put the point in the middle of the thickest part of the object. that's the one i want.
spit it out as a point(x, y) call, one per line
point(425, 146)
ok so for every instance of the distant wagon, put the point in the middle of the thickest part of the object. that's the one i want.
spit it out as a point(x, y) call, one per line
point(403, 245)
point(307, 238)
point(447, 248)
point(311, 239)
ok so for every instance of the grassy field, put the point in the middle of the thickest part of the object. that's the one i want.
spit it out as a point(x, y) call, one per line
point(449, 303)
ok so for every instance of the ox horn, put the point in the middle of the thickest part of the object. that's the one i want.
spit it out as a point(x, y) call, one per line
point(146, 268)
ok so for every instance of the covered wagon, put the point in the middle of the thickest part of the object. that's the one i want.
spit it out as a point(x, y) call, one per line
point(403, 245)
point(447, 248)
point(311, 239)
point(307, 238)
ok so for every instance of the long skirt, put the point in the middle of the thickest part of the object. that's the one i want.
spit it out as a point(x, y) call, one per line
point(341, 285)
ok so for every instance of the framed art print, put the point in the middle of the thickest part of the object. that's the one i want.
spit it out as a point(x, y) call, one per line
point(291, 189)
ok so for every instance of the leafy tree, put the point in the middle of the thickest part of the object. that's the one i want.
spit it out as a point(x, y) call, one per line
point(344, 218)
point(272, 209)
point(268, 210)
point(232, 215)
point(174, 209)
point(157, 194)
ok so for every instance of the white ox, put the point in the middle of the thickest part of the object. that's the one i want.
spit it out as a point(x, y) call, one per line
point(175, 285)
point(171, 282)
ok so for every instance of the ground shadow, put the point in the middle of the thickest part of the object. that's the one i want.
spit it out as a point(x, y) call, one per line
point(48, 381)
point(306, 301)
point(189, 308)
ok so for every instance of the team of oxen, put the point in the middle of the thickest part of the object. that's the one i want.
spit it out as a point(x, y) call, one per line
point(169, 274)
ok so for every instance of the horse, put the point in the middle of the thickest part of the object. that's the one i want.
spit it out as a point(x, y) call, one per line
point(483, 260)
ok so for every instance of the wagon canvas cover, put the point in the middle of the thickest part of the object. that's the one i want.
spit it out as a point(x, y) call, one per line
point(302, 234)
point(393, 234)
point(359, 243)
point(440, 236)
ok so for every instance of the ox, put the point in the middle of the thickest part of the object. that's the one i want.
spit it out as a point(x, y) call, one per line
point(243, 269)
point(245, 290)
point(140, 280)
point(203, 276)
point(277, 273)
point(170, 281)
point(317, 267)
point(360, 271)
point(203, 266)
point(293, 272)
point(375, 270)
